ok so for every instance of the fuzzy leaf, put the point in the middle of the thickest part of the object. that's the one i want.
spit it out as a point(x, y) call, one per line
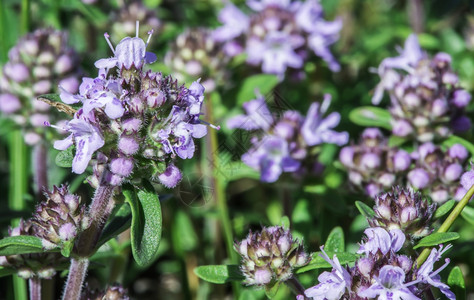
point(369, 116)
point(146, 223)
point(272, 289)
point(444, 209)
point(468, 214)
point(453, 139)
point(436, 239)
point(65, 157)
point(119, 223)
point(457, 284)
point(219, 273)
point(364, 209)
point(318, 262)
point(335, 241)
point(263, 83)
point(20, 244)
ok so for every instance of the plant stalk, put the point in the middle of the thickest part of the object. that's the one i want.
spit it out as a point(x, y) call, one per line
point(295, 286)
point(75, 279)
point(40, 159)
point(447, 223)
point(35, 288)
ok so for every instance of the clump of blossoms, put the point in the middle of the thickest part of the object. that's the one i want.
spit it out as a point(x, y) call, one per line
point(195, 54)
point(403, 209)
point(286, 144)
point(278, 34)
point(381, 272)
point(426, 101)
point(124, 20)
point(137, 121)
point(41, 265)
point(270, 256)
point(39, 62)
point(114, 292)
point(373, 166)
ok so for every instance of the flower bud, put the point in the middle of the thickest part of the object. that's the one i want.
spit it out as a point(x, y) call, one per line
point(418, 178)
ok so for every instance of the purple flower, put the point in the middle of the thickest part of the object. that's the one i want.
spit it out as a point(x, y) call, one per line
point(271, 157)
point(257, 116)
point(467, 180)
point(235, 23)
point(9, 103)
point(332, 285)
point(317, 130)
point(418, 178)
point(171, 177)
point(409, 56)
point(426, 274)
point(389, 285)
point(378, 239)
point(87, 139)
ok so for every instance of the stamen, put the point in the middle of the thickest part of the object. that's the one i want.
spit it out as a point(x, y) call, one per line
point(440, 268)
point(150, 33)
point(211, 125)
point(137, 26)
point(107, 38)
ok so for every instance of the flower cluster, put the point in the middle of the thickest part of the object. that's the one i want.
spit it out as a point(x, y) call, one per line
point(123, 21)
point(41, 265)
point(426, 100)
point(285, 143)
point(138, 120)
point(270, 256)
point(195, 54)
point(113, 292)
point(60, 218)
point(37, 64)
point(375, 167)
point(381, 272)
point(278, 34)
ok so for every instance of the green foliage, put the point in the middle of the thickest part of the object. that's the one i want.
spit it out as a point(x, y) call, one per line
point(468, 214)
point(64, 158)
point(335, 241)
point(370, 116)
point(261, 83)
point(364, 209)
point(457, 284)
point(444, 209)
point(20, 244)
point(219, 273)
point(436, 239)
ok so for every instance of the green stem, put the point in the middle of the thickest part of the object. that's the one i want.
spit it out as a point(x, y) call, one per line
point(219, 193)
point(3, 34)
point(25, 16)
point(447, 223)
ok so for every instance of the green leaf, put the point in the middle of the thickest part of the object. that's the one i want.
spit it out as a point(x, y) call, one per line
point(318, 262)
point(272, 289)
point(285, 222)
point(64, 158)
point(183, 233)
point(251, 294)
point(437, 238)
point(118, 224)
point(468, 214)
point(263, 83)
point(7, 271)
point(20, 244)
point(453, 139)
point(364, 209)
point(146, 223)
point(66, 248)
point(457, 284)
point(371, 116)
point(335, 241)
point(235, 170)
point(51, 97)
point(444, 209)
point(219, 273)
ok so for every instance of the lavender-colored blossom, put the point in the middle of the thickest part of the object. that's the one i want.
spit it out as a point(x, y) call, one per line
point(426, 274)
point(257, 116)
point(389, 285)
point(409, 57)
point(379, 239)
point(418, 178)
point(332, 285)
point(235, 23)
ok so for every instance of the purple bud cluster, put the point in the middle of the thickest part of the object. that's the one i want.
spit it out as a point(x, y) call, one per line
point(41, 265)
point(375, 167)
point(381, 272)
point(278, 34)
point(426, 100)
point(285, 143)
point(60, 218)
point(38, 63)
point(140, 121)
point(270, 256)
point(195, 54)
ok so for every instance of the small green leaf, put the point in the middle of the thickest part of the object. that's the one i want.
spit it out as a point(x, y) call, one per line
point(20, 244)
point(67, 248)
point(263, 83)
point(457, 284)
point(468, 214)
point(335, 241)
point(285, 222)
point(396, 141)
point(183, 233)
point(64, 158)
point(251, 294)
point(436, 239)
point(272, 289)
point(51, 97)
point(364, 209)
point(146, 223)
point(118, 223)
point(371, 116)
point(219, 273)
point(444, 209)
point(235, 170)
point(318, 262)
point(453, 139)
point(7, 271)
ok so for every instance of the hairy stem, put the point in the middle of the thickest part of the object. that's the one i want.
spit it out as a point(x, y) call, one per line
point(75, 279)
point(295, 286)
point(447, 223)
point(35, 288)
point(40, 165)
